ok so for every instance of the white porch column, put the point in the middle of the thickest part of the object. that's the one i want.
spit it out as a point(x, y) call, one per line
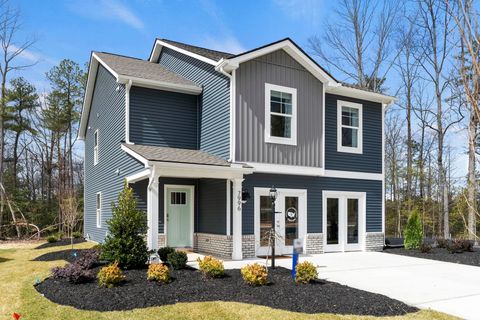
point(152, 212)
point(237, 219)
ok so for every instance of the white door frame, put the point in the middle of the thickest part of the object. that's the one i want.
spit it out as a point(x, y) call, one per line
point(191, 188)
point(342, 220)
point(302, 219)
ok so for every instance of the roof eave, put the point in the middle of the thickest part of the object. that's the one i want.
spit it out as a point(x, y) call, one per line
point(360, 94)
point(159, 44)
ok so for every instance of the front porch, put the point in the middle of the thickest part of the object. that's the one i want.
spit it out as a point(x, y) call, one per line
point(193, 200)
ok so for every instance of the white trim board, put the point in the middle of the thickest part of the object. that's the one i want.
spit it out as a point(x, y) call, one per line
point(157, 48)
point(312, 171)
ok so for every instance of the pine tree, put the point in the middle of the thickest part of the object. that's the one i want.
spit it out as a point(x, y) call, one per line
point(125, 241)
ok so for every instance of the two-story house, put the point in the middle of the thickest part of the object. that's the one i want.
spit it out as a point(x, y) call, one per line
point(202, 136)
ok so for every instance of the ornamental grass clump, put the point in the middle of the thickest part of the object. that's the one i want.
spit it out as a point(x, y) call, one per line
point(110, 276)
point(413, 233)
point(125, 242)
point(211, 267)
point(158, 272)
point(255, 274)
point(305, 272)
point(177, 259)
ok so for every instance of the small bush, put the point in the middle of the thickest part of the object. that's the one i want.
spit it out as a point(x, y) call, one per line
point(211, 267)
point(73, 273)
point(177, 259)
point(52, 239)
point(413, 234)
point(255, 274)
point(158, 272)
point(455, 246)
point(78, 271)
point(467, 245)
point(425, 248)
point(77, 235)
point(60, 235)
point(305, 272)
point(442, 243)
point(164, 252)
point(110, 276)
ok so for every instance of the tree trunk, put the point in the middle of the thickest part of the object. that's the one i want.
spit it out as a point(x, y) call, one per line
point(472, 182)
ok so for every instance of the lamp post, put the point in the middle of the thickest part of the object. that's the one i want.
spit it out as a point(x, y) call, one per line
point(273, 197)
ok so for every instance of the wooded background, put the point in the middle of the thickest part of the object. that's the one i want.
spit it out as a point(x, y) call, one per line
point(424, 52)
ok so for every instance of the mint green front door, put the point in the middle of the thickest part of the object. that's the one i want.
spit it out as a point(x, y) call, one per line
point(179, 215)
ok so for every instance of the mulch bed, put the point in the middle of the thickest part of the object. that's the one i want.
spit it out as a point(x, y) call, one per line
point(190, 286)
point(67, 255)
point(63, 242)
point(440, 254)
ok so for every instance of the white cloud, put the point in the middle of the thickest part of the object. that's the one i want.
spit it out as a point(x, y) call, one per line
point(227, 44)
point(301, 10)
point(31, 56)
point(107, 10)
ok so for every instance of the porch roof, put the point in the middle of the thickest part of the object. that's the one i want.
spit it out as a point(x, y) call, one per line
point(177, 155)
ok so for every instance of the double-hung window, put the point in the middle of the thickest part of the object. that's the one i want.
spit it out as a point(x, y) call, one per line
point(280, 114)
point(98, 204)
point(95, 147)
point(349, 127)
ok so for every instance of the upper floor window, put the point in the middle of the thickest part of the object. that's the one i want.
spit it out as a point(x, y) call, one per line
point(349, 127)
point(280, 114)
point(98, 204)
point(95, 147)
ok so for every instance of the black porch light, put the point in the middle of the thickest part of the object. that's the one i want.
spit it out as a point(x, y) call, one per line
point(245, 195)
point(273, 196)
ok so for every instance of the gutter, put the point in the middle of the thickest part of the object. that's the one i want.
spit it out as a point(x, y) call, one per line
point(220, 68)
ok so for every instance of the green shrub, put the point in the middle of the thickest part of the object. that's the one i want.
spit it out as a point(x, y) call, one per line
point(158, 272)
point(413, 234)
point(110, 276)
point(211, 267)
point(305, 272)
point(52, 239)
point(177, 259)
point(77, 235)
point(255, 274)
point(425, 248)
point(60, 235)
point(164, 252)
point(125, 242)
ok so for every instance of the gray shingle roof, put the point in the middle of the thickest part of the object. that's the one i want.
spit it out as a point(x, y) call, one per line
point(204, 52)
point(165, 154)
point(138, 68)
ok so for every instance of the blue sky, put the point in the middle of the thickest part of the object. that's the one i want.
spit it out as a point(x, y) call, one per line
point(72, 29)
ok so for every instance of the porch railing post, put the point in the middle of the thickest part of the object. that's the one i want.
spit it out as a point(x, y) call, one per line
point(152, 212)
point(237, 219)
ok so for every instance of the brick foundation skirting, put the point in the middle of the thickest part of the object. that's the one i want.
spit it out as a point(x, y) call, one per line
point(215, 244)
point(374, 241)
point(248, 246)
point(314, 243)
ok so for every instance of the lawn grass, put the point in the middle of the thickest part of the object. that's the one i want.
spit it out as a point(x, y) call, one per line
point(17, 294)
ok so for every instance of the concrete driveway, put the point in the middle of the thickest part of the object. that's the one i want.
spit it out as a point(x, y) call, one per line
point(442, 286)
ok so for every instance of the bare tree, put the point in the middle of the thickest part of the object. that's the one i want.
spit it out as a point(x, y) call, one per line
point(466, 19)
point(358, 40)
point(10, 50)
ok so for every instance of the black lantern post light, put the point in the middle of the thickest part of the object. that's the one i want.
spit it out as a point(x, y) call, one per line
point(273, 197)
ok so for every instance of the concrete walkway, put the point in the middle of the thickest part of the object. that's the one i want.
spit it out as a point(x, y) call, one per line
point(442, 286)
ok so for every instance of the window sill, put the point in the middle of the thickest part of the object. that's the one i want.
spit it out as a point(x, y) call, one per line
point(349, 150)
point(285, 141)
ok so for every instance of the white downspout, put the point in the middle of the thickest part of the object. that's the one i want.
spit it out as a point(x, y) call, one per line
point(128, 85)
point(220, 69)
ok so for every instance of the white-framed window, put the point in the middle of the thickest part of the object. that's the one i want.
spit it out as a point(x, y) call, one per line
point(280, 114)
point(95, 147)
point(98, 204)
point(349, 127)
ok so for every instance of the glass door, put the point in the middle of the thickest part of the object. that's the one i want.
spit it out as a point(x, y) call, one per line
point(344, 220)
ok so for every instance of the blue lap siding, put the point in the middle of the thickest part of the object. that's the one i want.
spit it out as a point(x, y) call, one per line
point(163, 118)
point(209, 207)
point(314, 187)
point(107, 114)
point(214, 122)
point(371, 158)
